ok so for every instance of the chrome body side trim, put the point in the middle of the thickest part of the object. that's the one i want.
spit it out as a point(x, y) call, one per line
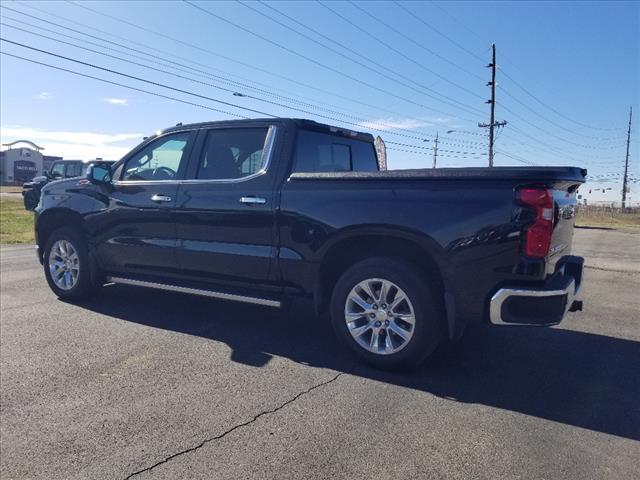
point(195, 291)
point(498, 299)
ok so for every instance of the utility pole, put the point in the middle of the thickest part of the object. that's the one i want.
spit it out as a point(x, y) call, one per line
point(492, 119)
point(435, 150)
point(626, 163)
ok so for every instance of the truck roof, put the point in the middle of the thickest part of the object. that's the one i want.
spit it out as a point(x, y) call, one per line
point(299, 122)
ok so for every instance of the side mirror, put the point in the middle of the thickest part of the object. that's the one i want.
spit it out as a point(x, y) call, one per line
point(99, 173)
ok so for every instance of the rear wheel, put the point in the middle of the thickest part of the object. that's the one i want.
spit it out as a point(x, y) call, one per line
point(387, 313)
point(66, 264)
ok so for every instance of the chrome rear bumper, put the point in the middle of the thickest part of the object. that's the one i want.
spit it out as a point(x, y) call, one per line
point(540, 306)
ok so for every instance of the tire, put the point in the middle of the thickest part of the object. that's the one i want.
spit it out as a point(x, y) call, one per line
point(424, 306)
point(30, 200)
point(74, 258)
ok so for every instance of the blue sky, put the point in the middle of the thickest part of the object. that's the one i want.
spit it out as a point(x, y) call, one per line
point(580, 60)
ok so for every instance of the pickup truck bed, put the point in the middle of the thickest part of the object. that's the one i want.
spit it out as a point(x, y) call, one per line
point(474, 228)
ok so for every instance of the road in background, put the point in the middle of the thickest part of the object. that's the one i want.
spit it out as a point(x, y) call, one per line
point(173, 386)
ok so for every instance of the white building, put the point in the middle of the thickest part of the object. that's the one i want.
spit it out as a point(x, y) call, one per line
point(18, 165)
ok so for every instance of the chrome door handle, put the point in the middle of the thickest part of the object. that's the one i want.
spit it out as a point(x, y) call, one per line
point(253, 200)
point(161, 198)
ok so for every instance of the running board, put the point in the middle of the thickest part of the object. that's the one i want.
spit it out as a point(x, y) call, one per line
point(196, 291)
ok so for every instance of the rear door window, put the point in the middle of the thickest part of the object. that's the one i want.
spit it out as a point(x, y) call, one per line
point(74, 169)
point(232, 153)
point(321, 152)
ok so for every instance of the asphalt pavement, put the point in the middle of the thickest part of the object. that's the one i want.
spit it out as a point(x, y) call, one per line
point(148, 385)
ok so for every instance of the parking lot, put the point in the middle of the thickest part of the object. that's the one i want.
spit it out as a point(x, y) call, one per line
point(145, 384)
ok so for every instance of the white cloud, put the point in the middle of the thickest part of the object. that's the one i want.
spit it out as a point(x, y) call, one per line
point(391, 123)
point(78, 145)
point(439, 120)
point(42, 96)
point(404, 123)
point(123, 102)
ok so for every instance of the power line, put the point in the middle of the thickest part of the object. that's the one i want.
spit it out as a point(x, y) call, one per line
point(415, 152)
point(517, 158)
point(179, 76)
point(165, 96)
point(133, 77)
point(451, 101)
point(373, 127)
point(584, 125)
point(165, 61)
point(412, 40)
point(172, 98)
point(311, 60)
point(557, 137)
point(210, 52)
point(164, 53)
point(605, 160)
point(540, 145)
point(165, 72)
point(393, 49)
point(455, 19)
point(121, 85)
point(267, 72)
point(548, 120)
point(431, 148)
point(431, 27)
point(206, 74)
point(481, 38)
point(147, 91)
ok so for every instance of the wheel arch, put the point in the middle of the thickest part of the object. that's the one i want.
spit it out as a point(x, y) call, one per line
point(52, 219)
point(353, 246)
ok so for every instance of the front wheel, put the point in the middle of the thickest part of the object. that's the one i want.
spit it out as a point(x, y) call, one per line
point(387, 313)
point(66, 265)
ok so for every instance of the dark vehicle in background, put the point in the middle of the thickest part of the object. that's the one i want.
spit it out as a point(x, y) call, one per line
point(58, 170)
point(261, 211)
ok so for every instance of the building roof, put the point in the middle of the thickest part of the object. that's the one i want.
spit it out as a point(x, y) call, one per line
point(11, 144)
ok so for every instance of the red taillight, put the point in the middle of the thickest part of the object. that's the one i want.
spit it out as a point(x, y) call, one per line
point(537, 236)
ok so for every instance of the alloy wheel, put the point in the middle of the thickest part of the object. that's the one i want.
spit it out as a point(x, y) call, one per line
point(379, 316)
point(64, 264)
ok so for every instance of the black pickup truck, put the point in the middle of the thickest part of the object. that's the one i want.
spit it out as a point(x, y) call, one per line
point(261, 211)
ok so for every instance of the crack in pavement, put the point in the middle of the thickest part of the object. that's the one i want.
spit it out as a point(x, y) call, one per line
point(235, 427)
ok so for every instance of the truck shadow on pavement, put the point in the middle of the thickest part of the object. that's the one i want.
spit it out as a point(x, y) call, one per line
point(576, 378)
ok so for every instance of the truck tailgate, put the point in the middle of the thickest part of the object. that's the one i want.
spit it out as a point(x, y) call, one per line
point(564, 203)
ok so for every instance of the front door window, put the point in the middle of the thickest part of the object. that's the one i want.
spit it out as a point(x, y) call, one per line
point(57, 171)
point(160, 160)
